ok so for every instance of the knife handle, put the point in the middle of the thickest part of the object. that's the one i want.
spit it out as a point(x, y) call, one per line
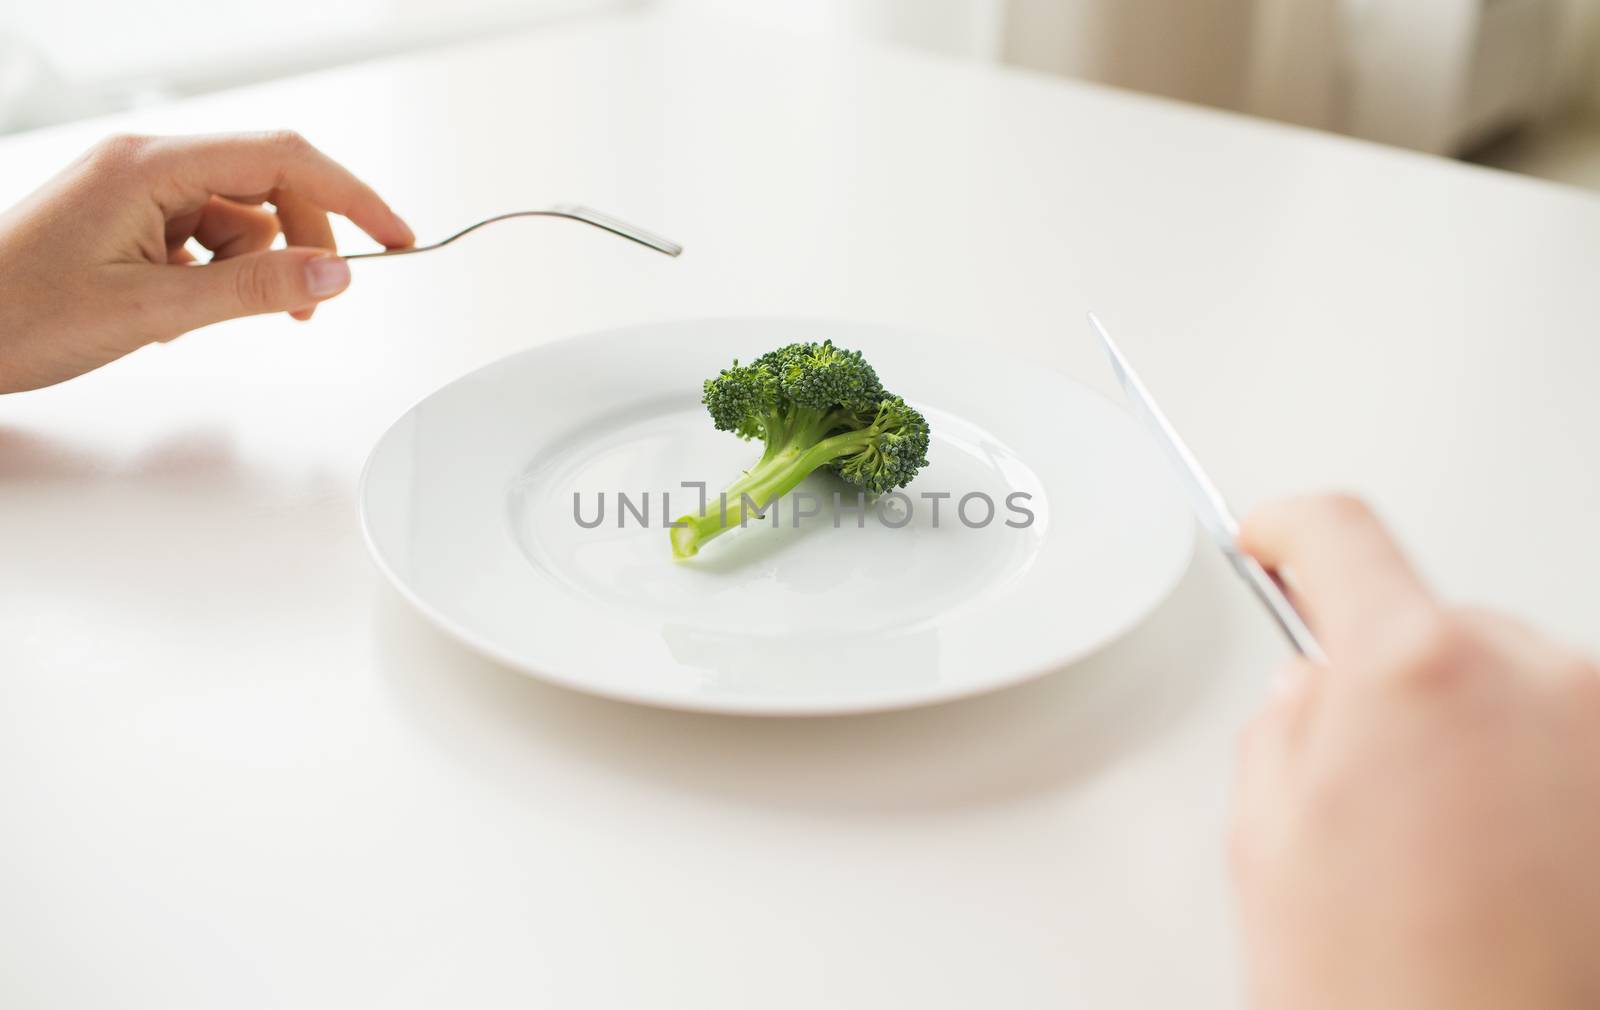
point(1269, 589)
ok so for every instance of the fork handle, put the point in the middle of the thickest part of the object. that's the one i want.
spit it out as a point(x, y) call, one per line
point(572, 212)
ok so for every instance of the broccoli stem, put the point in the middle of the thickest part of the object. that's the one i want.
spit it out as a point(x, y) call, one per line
point(780, 471)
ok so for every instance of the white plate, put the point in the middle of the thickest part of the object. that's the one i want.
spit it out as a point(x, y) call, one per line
point(468, 505)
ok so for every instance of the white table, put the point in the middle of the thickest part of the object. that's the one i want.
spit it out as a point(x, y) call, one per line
point(236, 769)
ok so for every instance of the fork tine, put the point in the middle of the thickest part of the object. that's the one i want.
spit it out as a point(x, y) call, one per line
point(617, 226)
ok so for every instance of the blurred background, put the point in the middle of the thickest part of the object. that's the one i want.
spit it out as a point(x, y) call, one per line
point(1511, 83)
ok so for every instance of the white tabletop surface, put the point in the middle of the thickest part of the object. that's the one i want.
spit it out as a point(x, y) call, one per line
point(237, 770)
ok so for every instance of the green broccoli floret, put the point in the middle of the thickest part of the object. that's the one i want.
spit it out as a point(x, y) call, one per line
point(813, 405)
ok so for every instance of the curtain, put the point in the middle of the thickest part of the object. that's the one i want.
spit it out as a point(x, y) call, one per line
point(1435, 75)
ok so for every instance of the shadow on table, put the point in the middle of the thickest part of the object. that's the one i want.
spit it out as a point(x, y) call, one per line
point(1047, 735)
point(31, 457)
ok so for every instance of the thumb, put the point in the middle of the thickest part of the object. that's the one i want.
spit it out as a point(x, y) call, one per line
point(278, 280)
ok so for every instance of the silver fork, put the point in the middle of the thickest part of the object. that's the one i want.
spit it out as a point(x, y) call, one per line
point(571, 211)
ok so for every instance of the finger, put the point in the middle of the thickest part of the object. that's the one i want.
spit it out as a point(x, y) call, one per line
point(1513, 644)
point(1356, 586)
point(192, 169)
point(179, 230)
point(180, 299)
point(180, 256)
point(306, 225)
point(229, 229)
point(1266, 753)
point(1277, 724)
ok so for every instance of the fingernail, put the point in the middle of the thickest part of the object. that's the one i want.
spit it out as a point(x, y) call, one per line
point(326, 275)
